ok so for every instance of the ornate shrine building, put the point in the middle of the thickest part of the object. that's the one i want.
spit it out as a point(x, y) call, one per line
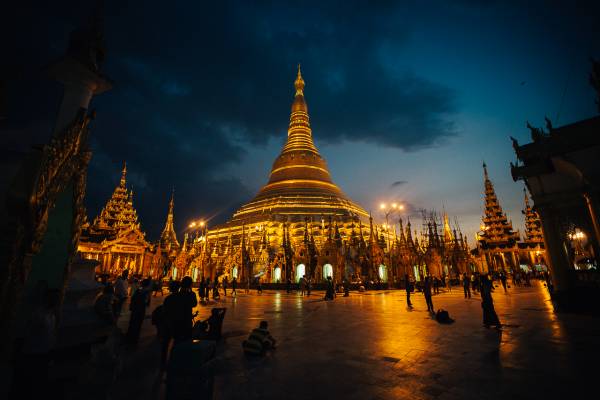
point(115, 238)
point(497, 239)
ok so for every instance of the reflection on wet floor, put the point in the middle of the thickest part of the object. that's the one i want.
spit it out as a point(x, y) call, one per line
point(372, 346)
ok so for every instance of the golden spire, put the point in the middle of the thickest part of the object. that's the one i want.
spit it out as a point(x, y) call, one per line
point(123, 174)
point(168, 237)
point(299, 83)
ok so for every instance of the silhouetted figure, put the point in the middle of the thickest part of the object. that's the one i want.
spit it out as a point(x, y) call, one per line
point(234, 286)
point(210, 328)
point(308, 286)
point(121, 288)
point(216, 289)
point(225, 282)
point(106, 305)
point(302, 285)
point(258, 286)
point(346, 288)
point(408, 288)
point(288, 286)
point(201, 289)
point(436, 285)
point(140, 299)
point(259, 341)
point(164, 320)
point(503, 281)
point(466, 286)
point(207, 288)
point(329, 292)
point(178, 310)
point(490, 318)
point(427, 293)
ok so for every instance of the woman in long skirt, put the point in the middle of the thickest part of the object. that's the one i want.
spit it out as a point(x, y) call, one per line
point(490, 318)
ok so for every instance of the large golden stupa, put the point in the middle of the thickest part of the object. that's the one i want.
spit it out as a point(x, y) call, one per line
point(300, 189)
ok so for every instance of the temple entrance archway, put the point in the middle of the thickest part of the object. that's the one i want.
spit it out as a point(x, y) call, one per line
point(300, 272)
point(327, 271)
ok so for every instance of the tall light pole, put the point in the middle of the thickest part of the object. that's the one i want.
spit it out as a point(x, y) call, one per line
point(387, 211)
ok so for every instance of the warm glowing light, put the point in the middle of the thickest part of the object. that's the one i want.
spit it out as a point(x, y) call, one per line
point(401, 207)
point(382, 206)
point(193, 224)
point(202, 223)
point(394, 205)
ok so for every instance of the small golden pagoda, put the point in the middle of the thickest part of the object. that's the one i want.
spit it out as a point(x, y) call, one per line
point(115, 237)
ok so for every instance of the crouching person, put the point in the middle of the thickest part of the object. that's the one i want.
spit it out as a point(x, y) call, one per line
point(259, 341)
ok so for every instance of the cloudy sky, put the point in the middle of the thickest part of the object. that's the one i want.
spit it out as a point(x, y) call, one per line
point(406, 98)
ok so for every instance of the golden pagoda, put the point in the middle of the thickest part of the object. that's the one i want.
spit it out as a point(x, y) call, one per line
point(300, 184)
point(295, 209)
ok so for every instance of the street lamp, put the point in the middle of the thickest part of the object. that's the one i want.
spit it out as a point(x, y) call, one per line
point(387, 211)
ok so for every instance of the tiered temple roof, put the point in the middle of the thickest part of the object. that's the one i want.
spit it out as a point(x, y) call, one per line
point(498, 231)
point(533, 225)
point(117, 215)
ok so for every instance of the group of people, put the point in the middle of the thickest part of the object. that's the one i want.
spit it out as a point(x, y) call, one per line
point(485, 287)
point(206, 287)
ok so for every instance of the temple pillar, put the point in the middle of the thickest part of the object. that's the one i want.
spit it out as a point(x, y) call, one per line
point(594, 222)
point(558, 260)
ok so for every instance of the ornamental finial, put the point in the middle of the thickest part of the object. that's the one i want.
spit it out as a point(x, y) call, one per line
point(124, 174)
point(299, 83)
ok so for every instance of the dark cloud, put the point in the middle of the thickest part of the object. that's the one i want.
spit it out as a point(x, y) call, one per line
point(196, 85)
point(398, 184)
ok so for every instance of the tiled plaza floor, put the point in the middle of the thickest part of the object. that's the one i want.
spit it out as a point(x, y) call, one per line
point(370, 346)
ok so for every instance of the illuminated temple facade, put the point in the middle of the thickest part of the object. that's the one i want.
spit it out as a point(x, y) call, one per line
point(302, 224)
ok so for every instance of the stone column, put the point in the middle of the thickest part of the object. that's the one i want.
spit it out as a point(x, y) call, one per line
point(594, 222)
point(558, 260)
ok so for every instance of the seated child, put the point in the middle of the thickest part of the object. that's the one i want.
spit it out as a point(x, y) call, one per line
point(259, 341)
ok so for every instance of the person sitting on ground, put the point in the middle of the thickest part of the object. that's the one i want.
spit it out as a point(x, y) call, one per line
point(209, 328)
point(259, 341)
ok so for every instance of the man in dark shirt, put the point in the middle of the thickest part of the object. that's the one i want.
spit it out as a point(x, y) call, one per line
point(178, 311)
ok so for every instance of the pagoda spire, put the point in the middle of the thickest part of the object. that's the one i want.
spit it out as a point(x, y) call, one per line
point(498, 230)
point(168, 238)
point(123, 181)
point(533, 224)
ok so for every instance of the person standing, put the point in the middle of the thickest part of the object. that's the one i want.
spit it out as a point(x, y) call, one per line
point(408, 288)
point(234, 287)
point(140, 299)
point(288, 286)
point(466, 286)
point(302, 285)
point(201, 289)
point(207, 288)
point(178, 311)
point(121, 288)
point(258, 286)
point(490, 318)
point(216, 289)
point(308, 287)
point(427, 293)
point(225, 286)
point(248, 285)
point(503, 281)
